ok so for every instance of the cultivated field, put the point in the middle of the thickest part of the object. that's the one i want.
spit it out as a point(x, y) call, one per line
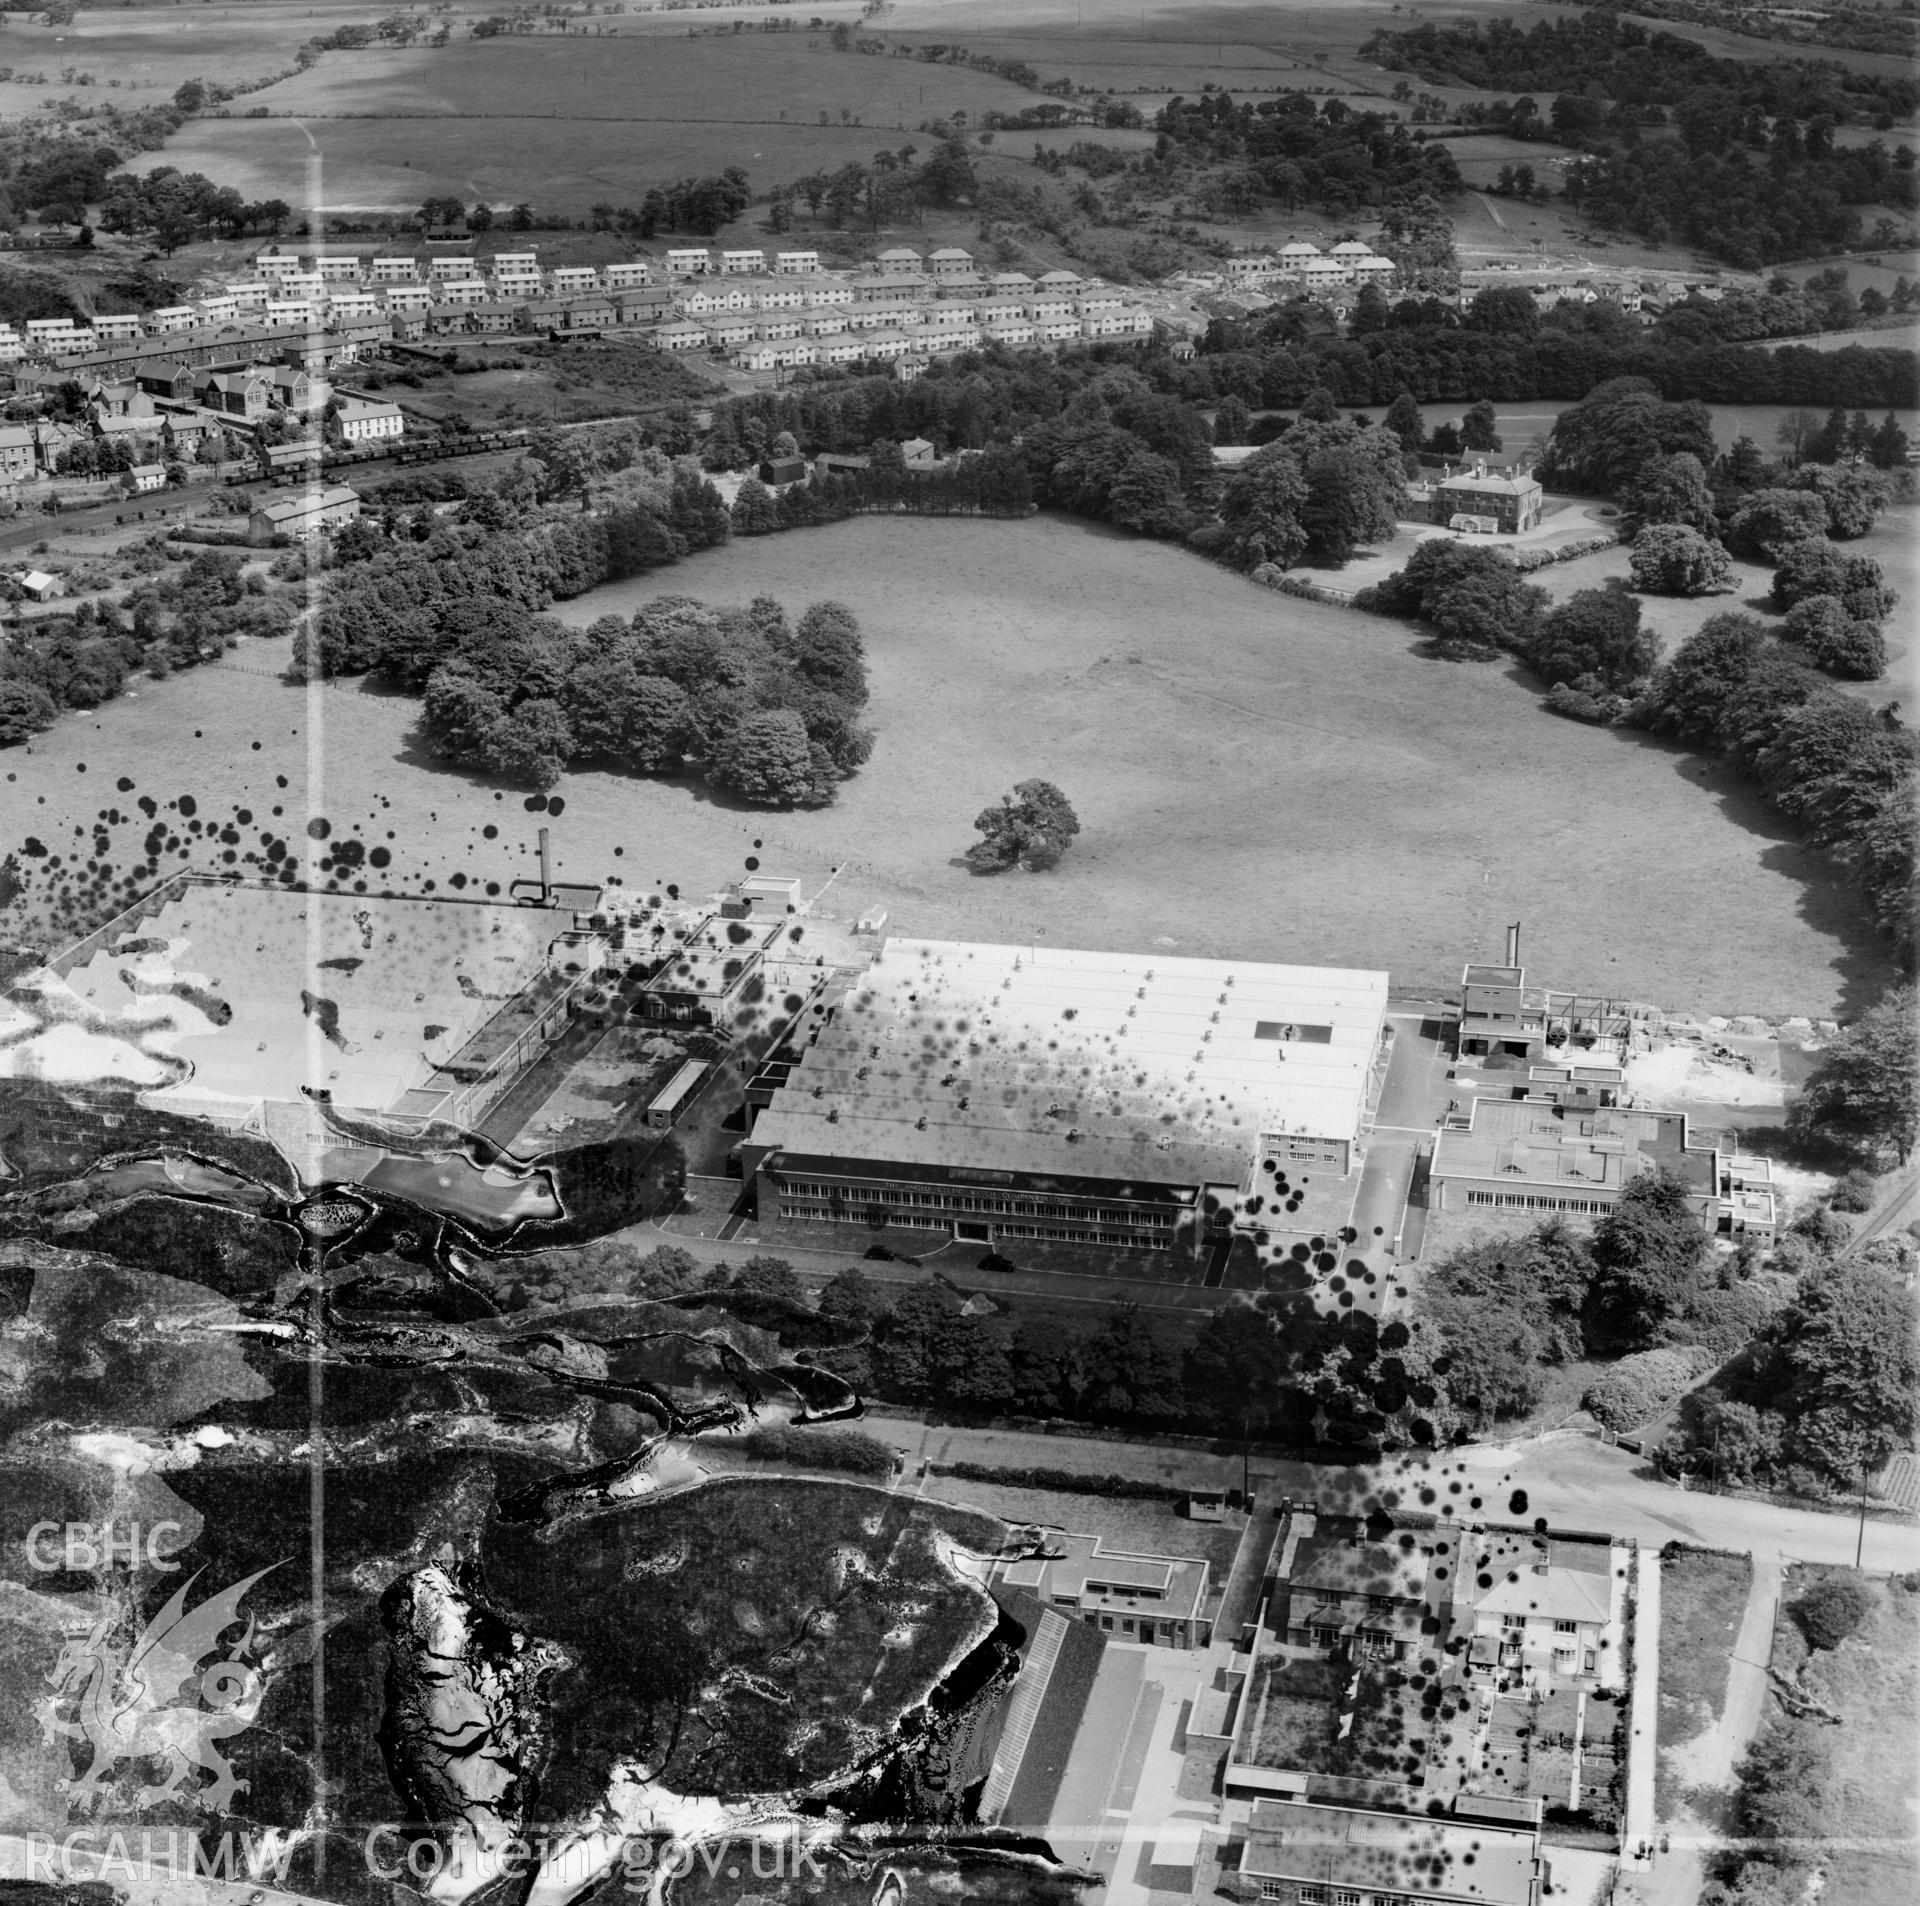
point(566, 122)
point(1256, 776)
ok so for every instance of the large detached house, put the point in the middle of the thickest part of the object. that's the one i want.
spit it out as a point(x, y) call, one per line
point(1485, 500)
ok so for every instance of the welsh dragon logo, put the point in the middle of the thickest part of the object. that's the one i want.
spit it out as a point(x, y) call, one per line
point(169, 1695)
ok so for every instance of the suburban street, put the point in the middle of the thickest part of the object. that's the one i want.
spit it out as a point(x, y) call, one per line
point(1569, 1476)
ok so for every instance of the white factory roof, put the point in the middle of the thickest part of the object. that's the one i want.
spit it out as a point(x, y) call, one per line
point(1116, 1065)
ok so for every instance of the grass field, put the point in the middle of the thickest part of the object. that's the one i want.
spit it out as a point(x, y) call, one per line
point(1702, 1598)
point(1873, 1680)
point(1255, 776)
point(566, 122)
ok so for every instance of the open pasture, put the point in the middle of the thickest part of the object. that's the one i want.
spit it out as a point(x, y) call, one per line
point(136, 55)
point(1179, 45)
point(566, 122)
point(1255, 775)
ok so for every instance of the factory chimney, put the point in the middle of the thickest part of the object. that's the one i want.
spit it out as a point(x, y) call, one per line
point(1513, 932)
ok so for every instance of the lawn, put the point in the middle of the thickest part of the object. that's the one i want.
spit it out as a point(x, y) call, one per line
point(1873, 1680)
point(1256, 776)
point(1703, 1596)
point(1892, 543)
point(1293, 1708)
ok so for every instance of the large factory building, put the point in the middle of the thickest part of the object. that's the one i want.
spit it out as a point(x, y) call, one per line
point(1018, 1092)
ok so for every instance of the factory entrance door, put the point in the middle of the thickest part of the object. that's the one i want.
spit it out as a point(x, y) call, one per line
point(970, 1233)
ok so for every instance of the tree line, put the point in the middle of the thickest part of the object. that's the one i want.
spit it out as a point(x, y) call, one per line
point(1502, 347)
point(1491, 1321)
point(1757, 175)
point(1296, 149)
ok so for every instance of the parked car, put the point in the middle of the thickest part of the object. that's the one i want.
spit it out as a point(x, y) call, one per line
point(993, 1261)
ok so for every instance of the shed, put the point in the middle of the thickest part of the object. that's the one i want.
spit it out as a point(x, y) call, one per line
point(1206, 1505)
point(671, 1099)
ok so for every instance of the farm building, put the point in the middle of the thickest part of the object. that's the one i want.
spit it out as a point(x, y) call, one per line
point(304, 514)
point(993, 1092)
point(39, 585)
point(1166, 1601)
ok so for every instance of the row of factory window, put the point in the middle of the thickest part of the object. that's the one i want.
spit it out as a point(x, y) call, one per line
point(1320, 1895)
point(1535, 1201)
point(1130, 1215)
point(1166, 1633)
point(1051, 1233)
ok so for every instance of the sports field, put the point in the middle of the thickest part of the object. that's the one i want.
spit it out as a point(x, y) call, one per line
point(1256, 776)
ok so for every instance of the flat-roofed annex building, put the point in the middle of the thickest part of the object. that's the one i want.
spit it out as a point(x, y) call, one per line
point(1535, 1157)
point(1166, 1601)
point(994, 1092)
point(1305, 1855)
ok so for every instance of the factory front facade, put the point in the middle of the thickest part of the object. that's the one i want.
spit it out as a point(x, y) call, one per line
point(1037, 1094)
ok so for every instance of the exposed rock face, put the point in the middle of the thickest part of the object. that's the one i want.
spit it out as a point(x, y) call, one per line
point(466, 1730)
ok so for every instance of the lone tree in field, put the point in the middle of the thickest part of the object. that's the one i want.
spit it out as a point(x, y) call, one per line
point(1032, 827)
